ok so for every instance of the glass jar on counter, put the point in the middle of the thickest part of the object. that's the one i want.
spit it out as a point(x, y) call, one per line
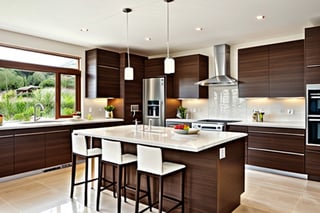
point(1, 119)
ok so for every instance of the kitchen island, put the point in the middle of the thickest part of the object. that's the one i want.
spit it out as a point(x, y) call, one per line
point(214, 160)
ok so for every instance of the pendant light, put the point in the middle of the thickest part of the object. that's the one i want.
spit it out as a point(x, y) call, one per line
point(168, 62)
point(128, 71)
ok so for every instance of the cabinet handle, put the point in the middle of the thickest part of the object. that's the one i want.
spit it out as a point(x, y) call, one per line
point(108, 67)
point(313, 65)
point(40, 133)
point(276, 151)
point(313, 119)
point(278, 133)
point(6, 136)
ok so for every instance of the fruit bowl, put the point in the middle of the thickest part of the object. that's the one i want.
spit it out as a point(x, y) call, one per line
point(186, 131)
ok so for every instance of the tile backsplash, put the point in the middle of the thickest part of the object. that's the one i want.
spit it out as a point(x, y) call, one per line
point(224, 103)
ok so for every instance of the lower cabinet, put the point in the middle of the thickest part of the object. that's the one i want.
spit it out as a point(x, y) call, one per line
point(312, 164)
point(29, 147)
point(244, 129)
point(277, 148)
point(6, 153)
point(58, 147)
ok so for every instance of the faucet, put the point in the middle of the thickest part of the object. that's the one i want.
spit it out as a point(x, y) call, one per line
point(35, 110)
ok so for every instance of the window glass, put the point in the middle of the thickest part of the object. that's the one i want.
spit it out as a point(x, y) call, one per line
point(12, 54)
point(20, 90)
point(68, 94)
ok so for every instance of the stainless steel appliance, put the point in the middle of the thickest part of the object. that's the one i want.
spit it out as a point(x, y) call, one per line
point(313, 114)
point(211, 124)
point(154, 96)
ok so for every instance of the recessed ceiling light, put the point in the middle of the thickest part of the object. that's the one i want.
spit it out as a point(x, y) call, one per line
point(147, 38)
point(260, 17)
point(198, 28)
point(84, 29)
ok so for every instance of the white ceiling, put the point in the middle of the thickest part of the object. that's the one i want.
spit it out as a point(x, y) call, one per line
point(224, 21)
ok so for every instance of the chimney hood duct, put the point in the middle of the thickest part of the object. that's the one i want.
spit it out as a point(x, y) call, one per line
point(222, 68)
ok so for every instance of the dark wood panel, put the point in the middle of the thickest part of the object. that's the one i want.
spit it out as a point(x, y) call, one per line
point(286, 143)
point(29, 152)
point(102, 74)
point(236, 128)
point(58, 147)
point(6, 153)
point(313, 165)
point(286, 69)
point(312, 75)
point(253, 74)
point(312, 46)
point(286, 162)
point(131, 91)
point(189, 70)
point(154, 68)
point(171, 107)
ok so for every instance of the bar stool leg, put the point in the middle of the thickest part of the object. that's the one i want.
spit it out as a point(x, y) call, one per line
point(99, 183)
point(137, 192)
point(182, 190)
point(149, 193)
point(119, 188)
point(125, 183)
point(86, 184)
point(160, 193)
point(114, 180)
point(73, 174)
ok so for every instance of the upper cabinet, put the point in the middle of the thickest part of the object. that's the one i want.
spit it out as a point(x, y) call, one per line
point(253, 72)
point(275, 70)
point(102, 74)
point(312, 55)
point(286, 69)
point(189, 70)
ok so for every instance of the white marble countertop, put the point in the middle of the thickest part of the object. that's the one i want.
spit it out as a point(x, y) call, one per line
point(181, 120)
point(163, 137)
point(279, 124)
point(51, 123)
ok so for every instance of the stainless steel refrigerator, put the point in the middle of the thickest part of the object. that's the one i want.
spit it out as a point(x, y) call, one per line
point(154, 97)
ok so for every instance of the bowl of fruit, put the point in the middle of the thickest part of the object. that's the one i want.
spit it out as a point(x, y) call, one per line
point(184, 129)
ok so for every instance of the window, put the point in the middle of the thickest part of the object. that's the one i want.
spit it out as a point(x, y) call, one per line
point(29, 77)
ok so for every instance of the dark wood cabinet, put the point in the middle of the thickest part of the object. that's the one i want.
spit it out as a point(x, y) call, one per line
point(29, 150)
point(236, 128)
point(286, 69)
point(6, 153)
point(130, 91)
point(312, 55)
point(57, 147)
point(275, 70)
point(189, 70)
point(313, 164)
point(102, 74)
point(277, 148)
point(253, 72)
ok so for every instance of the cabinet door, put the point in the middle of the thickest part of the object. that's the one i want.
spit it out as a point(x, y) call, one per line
point(286, 69)
point(253, 72)
point(313, 164)
point(102, 74)
point(189, 70)
point(29, 151)
point(312, 46)
point(236, 128)
point(6, 153)
point(58, 147)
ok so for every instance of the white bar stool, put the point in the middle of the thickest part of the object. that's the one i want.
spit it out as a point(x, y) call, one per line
point(112, 153)
point(150, 164)
point(80, 149)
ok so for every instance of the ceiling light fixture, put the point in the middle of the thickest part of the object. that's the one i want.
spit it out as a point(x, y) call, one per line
point(260, 17)
point(128, 71)
point(84, 29)
point(168, 62)
point(198, 28)
point(147, 39)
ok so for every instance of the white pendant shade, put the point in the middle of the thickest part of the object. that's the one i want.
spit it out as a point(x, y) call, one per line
point(169, 66)
point(128, 73)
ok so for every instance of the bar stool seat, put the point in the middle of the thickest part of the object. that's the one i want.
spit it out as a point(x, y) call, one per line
point(80, 149)
point(112, 153)
point(150, 164)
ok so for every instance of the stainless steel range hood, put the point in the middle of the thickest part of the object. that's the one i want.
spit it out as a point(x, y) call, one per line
point(222, 68)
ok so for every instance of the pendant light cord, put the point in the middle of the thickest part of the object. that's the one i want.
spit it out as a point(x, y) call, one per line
point(167, 29)
point(128, 39)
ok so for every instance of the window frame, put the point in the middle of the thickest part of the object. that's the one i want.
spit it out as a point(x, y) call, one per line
point(57, 70)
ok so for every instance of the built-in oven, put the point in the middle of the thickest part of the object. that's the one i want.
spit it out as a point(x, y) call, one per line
point(211, 124)
point(313, 114)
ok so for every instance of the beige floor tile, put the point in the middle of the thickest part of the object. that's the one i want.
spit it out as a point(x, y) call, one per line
point(307, 204)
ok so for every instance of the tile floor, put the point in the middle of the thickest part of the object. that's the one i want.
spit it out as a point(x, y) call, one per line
point(49, 193)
